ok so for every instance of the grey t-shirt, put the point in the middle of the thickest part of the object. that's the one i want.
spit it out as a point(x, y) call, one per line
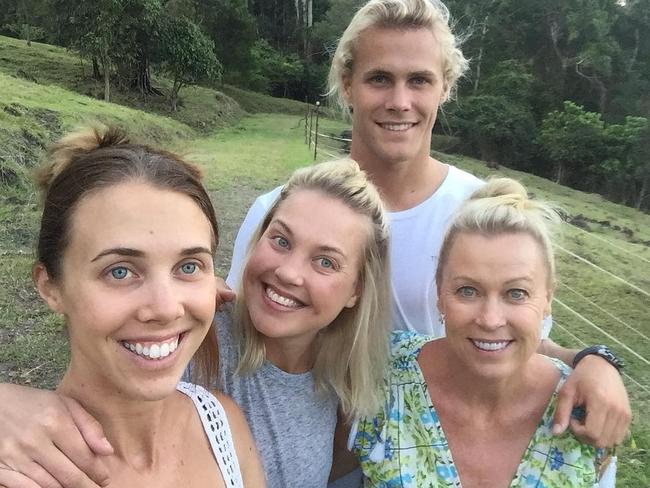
point(293, 426)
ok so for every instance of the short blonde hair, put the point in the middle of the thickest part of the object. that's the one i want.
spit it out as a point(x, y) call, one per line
point(353, 349)
point(503, 206)
point(397, 14)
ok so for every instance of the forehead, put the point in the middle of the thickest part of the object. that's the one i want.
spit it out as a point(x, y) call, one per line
point(397, 49)
point(507, 256)
point(138, 215)
point(321, 220)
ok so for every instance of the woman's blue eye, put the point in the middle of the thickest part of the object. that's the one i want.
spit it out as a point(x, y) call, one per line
point(517, 294)
point(189, 268)
point(119, 273)
point(467, 291)
point(281, 241)
point(326, 263)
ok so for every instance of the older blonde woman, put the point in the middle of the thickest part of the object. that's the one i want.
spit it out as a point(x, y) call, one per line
point(475, 407)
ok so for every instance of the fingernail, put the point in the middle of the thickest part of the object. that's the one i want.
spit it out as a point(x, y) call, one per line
point(557, 429)
point(107, 445)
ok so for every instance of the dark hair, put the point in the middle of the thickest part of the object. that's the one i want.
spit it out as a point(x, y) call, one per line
point(91, 159)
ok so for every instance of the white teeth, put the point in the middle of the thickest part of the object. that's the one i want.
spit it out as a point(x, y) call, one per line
point(397, 127)
point(287, 302)
point(153, 351)
point(490, 346)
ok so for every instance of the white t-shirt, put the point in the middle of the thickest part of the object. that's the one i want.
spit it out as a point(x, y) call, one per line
point(416, 237)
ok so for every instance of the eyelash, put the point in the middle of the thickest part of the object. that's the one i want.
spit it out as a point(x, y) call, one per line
point(334, 267)
point(130, 274)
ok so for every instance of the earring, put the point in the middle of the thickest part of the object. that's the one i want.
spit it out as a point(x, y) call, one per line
point(441, 319)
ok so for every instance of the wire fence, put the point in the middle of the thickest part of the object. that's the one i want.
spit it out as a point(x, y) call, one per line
point(333, 146)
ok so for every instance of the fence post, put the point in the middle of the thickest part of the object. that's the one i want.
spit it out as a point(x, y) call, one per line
point(316, 132)
point(306, 117)
point(311, 120)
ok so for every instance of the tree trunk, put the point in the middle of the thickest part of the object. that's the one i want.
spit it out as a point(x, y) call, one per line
point(642, 193)
point(480, 54)
point(559, 173)
point(96, 74)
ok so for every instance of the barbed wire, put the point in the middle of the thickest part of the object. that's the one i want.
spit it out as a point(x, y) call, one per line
point(602, 239)
point(604, 332)
point(605, 311)
point(609, 273)
point(584, 344)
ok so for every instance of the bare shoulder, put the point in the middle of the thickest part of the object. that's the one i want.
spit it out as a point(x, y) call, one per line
point(249, 460)
point(235, 416)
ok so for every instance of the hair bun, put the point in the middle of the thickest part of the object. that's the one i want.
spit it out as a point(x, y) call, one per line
point(74, 145)
point(498, 187)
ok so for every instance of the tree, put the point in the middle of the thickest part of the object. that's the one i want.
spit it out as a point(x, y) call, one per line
point(626, 170)
point(232, 29)
point(573, 139)
point(495, 128)
point(274, 71)
point(186, 54)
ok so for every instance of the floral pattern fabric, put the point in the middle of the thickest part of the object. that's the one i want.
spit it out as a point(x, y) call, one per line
point(404, 446)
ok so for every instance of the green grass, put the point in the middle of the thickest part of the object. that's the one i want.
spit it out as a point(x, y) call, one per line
point(201, 108)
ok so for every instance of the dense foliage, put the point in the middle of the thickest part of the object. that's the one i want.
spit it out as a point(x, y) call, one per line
point(560, 88)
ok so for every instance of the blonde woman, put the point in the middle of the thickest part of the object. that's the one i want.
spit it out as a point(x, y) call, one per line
point(311, 320)
point(475, 408)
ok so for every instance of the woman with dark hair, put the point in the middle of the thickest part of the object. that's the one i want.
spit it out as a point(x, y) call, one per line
point(125, 254)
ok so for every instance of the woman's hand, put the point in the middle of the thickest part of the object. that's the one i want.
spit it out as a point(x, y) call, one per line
point(49, 441)
point(224, 293)
point(597, 386)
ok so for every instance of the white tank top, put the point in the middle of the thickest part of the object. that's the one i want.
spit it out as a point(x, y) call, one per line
point(215, 423)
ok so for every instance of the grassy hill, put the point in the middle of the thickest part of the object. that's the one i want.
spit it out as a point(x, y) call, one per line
point(604, 256)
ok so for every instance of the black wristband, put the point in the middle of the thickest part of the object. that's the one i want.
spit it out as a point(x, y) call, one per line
point(602, 351)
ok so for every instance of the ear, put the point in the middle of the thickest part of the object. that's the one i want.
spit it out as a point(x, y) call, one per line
point(445, 93)
point(47, 288)
point(346, 87)
point(352, 301)
point(549, 301)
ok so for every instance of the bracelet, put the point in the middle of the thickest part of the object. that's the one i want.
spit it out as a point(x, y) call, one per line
point(602, 351)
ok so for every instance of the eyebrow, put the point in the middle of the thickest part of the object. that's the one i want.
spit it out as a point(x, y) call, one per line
point(385, 72)
point(129, 252)
point(324, 248)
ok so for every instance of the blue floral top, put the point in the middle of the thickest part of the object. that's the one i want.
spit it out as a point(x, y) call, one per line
point(404, 445)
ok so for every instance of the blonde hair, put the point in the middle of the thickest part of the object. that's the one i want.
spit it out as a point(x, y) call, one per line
point(503, 206)
point(397, 14)
point(353, 349)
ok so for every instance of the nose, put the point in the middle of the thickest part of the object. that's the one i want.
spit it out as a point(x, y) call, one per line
point(399, 98)
point(290, 271)
point(491, 315)
point(163, 303)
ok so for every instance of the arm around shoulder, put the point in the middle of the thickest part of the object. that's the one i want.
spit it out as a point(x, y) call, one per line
point(247, 455)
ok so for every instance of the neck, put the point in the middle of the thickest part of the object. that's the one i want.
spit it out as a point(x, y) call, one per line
point(135, 428)
point(480, 394)
point(403, 184)
point(292, 355)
